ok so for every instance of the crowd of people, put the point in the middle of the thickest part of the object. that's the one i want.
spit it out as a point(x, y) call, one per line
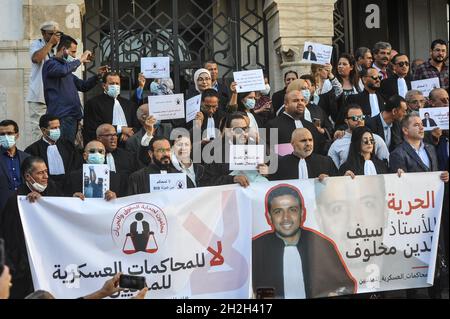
point(356, 117)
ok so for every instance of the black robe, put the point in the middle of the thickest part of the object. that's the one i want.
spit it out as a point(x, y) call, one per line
point(389, 86)
point(125, 162)
point(99, 110)
point(315, 163)
point(139, 182)
point(11, 231)
point(72, 159)
point(380, 166)
point(74, 183)
point(286, 125)
point(323, 270)
point(362, 99)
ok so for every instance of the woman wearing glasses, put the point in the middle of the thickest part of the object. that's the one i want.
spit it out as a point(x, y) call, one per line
point(361, 158)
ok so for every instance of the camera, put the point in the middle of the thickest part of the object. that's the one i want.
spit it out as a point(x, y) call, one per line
point(132, 282)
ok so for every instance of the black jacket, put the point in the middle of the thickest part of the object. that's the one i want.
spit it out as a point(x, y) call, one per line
point(363, 100)
point(376, 126)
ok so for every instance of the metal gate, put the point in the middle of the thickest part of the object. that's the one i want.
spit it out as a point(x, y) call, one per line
point(190, 32)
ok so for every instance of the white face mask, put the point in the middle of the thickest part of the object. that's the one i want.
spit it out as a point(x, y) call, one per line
point(38, 187)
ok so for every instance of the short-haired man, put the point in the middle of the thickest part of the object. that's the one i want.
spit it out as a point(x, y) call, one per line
point(400, 82)
point(11, 159)
point(371, 101)
point(438, 98)
point(278, 97)
point(109, 107)
point(435, 67)
point(354, 118)
point(363, 57)
point(382, 56)
point(59, 155)
point(221, 88)
point(61, 86)
point(40, 51)
point(413, 155)
point(36, 184)
point(387, 123)
point(415, 100)
point(297, 262)
point(303, 163)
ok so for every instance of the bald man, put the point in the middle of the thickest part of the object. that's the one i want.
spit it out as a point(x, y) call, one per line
point(118, 159)
point(438, 97)
point(95, 153)
point(303, 163)
point(150, 129)
point(292, 118)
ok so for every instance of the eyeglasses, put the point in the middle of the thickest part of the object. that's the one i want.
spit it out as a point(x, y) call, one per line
point(108, 135)
point(162, 150)
point(96, 150)
point(240, 130)
point(402, 64)
point(7, 133)
point(357, 118)
point(375, 78)
point(417, 102)
point(369, 141)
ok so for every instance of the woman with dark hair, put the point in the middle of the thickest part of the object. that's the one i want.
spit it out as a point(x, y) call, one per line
point(361, 158)
point(347, 74)
point(246, 104)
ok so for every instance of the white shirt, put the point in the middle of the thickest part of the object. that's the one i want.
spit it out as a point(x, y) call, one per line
point(36, 86)
point(294, 285)
point(423, 154)
point(111, 163)
point(210, 129)
point(55, 162)
point(253, 123)
point(302, 169)
point(402, 87)
point(119, 118)
point(369, 168)
point(298, 123)
point(340, 148)
point(374, 106)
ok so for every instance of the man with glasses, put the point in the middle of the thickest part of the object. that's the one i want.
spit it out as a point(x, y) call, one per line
point(10, 160)
point(436, 66)
point(40, 51)
point(94, 154)
point(370, 99)
point(354, 118)
point(160, 152)
point(415, 100)
point(399, 83)
point(36, 184)
point(118, 159)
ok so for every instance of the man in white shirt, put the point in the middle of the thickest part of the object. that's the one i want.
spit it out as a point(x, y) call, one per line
point(339, 149)
point(40, 51)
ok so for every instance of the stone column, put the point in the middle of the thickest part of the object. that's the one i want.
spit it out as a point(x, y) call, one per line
point(15, 62)
point(290, 24)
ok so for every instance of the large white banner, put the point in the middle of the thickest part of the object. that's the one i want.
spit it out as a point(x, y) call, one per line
point(184, 249)
point(369, 234)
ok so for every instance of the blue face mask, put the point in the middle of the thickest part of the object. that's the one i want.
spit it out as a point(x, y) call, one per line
point(250, 104)
point(7, 141)
point(95, 158)
point(113, 90)
point(306, 95)
point(54, 134)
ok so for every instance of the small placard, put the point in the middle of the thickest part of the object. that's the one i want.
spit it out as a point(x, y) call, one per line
point(248, 81)
point(246, 157)
point(166, 182)
point(166, 107)
point(155, 67)
point(95, 180)
point(317, 53)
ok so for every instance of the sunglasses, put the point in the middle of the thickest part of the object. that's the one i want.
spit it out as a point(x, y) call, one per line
point(375, 78)
point(357, 118)
point(369, 141)
point(402, 64)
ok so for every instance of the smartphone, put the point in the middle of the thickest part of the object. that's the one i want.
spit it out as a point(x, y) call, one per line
point(265, 293)
point(132, 282)
point(2, 255)
point(316, 122)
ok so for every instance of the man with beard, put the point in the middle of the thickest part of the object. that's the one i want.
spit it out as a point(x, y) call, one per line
point(370, 100)
point(159, 151)
point(435, 67)
point(303, 163)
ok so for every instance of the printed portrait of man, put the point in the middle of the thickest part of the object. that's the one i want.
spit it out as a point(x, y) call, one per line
point(295, 261)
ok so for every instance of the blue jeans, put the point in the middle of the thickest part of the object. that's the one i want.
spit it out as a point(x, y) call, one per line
point(69, 128)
